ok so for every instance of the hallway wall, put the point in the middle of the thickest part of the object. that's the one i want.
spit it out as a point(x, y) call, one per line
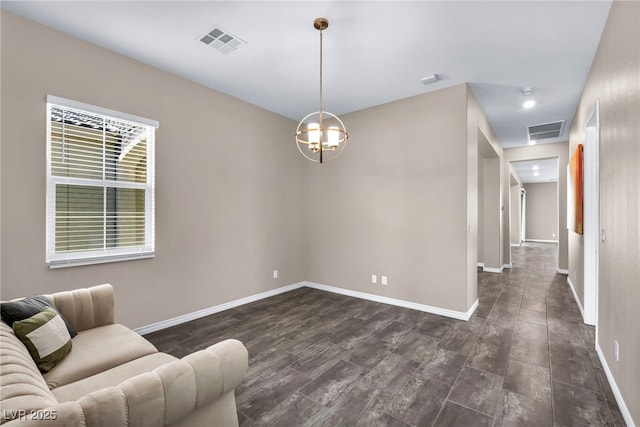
point(614, 80)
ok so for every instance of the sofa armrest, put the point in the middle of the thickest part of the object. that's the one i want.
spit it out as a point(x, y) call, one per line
point(86, 308)
point(162, 397)
point(193, 382)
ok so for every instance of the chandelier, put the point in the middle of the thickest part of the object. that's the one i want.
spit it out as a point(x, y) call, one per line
point(321, 135)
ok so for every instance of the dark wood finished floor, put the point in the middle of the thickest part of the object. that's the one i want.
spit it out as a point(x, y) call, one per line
point(322, 359)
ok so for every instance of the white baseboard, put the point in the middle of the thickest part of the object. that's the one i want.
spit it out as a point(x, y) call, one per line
point(614, 388)
point(215, 309)
point(540, 241)
point(575, 296)
point(480, 264)
point(495, 270)
point(563, 271)
point(460, 315)
point(517, 245)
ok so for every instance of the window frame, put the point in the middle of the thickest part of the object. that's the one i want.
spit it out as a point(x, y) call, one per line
point(105, 254)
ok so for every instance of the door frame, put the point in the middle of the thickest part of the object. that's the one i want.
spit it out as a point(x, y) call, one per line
point(523, 215)
point(591, 214)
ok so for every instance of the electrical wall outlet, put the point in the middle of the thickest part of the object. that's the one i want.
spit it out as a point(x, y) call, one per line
point(384, 280)
point(275, 274)
point(374, 278)
point(616, 350)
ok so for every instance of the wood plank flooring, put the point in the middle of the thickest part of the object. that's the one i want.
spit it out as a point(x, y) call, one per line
point(322, 359)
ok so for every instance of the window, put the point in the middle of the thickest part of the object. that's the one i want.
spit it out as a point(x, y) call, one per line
point(100, 184)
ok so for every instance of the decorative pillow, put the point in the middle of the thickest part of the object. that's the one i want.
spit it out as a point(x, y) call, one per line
point(46, 337)
point(13, 311)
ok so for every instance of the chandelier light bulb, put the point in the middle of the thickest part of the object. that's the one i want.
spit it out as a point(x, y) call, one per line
point(333, 137)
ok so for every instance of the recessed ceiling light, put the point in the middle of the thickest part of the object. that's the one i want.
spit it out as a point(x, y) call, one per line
point(528, 104)
point(536, 174)
point(532, 142)
point(536, 167)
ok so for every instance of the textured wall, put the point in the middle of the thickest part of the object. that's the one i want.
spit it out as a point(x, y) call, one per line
point(614, 80)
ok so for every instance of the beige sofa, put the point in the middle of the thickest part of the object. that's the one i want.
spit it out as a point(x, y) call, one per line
point(114, 377)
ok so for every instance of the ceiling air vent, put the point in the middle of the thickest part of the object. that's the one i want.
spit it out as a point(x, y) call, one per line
point(545, 130)
point(221, 40)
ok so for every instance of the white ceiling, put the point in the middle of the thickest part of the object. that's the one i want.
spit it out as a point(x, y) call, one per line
point(374, 51)
point(536, 171)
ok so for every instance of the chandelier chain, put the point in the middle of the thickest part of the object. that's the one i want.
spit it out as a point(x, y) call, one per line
point(321, 75)
point(320, 117)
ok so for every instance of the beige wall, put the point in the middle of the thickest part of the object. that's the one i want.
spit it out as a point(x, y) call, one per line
point(395, 203)
point(541, 211)
point(227, 176)
point(560, 151)
point(614, 80)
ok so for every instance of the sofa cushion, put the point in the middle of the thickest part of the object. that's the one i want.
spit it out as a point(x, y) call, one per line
point(13, 311)
point(45, 336)
point(111, 377)
point(22, 387)
point(97, 350)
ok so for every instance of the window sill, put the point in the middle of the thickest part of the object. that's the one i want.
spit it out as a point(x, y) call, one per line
point(98, 260)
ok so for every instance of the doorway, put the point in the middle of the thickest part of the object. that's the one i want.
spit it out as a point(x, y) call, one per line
point(538, 199)
point(489, 207)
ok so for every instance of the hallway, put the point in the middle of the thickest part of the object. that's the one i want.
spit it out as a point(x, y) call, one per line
point(552, 366)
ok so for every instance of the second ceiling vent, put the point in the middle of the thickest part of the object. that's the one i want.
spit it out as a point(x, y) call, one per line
point(545, 130)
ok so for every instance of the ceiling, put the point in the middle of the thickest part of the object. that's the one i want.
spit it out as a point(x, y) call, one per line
point(537, 171)
point(374, 51)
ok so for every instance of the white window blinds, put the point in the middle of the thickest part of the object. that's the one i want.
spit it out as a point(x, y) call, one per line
point(100, 184)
